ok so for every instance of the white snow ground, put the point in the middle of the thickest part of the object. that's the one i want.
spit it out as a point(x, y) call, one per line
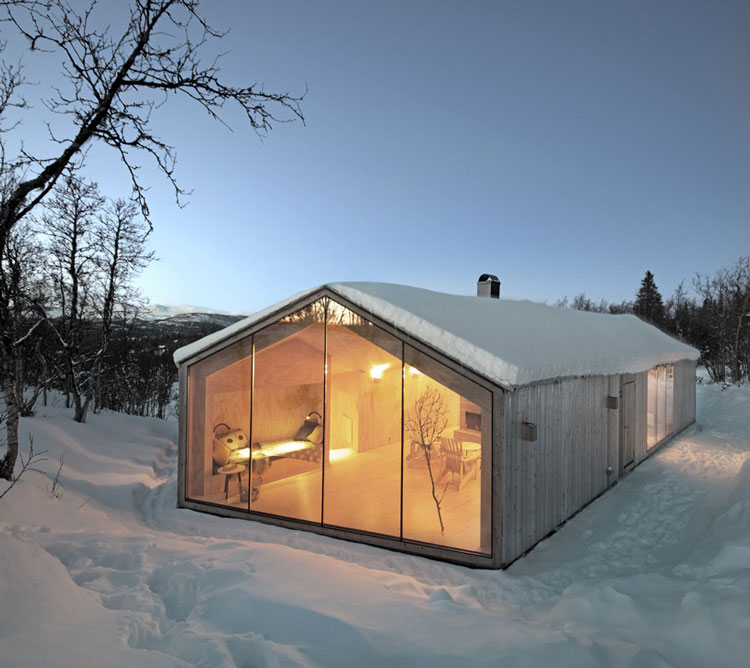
point(655, 573)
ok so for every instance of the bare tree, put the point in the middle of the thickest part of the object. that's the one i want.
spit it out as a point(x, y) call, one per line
point(114, 81)
point(111, 82)
point(724, 322)
point(96, 249)
point(120, 245)
point(68, 222)
point(21, 284)
point(426, 421)
point(11, 80)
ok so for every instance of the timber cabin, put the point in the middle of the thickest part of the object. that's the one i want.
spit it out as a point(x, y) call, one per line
point(455, 427)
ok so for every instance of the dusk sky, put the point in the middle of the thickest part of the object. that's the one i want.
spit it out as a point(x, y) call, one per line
point(565, 146)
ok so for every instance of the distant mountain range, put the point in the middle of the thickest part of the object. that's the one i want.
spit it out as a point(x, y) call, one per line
point(189, 317)
point(162, 311)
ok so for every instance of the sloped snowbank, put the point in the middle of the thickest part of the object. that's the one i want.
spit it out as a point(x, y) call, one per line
point(655, 573)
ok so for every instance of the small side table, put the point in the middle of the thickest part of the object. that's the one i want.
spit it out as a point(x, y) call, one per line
point(229, 470)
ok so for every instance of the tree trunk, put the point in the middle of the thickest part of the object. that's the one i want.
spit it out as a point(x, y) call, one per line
point(81, 408)
point(8, 462)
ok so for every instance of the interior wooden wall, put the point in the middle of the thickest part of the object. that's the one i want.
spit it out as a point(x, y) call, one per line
point(343, 411)
point(279, 412)
point(219, 391)
point(464, 406)
point(379, 410)
point(413, 388)
point(294, 361)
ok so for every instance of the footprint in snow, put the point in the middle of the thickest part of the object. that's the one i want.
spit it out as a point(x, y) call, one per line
point(440, 594)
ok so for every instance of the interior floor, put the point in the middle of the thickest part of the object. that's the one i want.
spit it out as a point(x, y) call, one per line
point(366, 496)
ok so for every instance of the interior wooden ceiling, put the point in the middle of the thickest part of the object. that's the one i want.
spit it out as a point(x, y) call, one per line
point(298, 359)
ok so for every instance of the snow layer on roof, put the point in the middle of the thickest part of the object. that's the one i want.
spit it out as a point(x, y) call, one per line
point(511, 342)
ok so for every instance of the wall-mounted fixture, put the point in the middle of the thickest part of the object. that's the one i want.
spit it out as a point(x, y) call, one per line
point(528, 431)
point(612, 402)
point(377, 371)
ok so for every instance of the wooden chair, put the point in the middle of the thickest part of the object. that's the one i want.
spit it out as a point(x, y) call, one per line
point(455, 463)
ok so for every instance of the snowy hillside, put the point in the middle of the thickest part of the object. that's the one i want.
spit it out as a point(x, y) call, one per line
point(655, 573)
point(188, 318)
point(162, 311)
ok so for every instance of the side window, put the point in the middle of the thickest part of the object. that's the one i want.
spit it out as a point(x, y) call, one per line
point(287, 424)
point(660, 404)
point(219, 396)
point(447, 456)
point(362, 482)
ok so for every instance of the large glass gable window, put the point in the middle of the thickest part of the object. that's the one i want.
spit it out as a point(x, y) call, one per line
point(219, 425)
point(363, 453)
point(447, 456)
point(325, 417)
point(287, 420)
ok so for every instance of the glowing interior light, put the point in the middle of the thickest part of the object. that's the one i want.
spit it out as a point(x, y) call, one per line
point(237, 455)
point(378, 369)
point(276, 449)
point(414, 371)
point(340, 453)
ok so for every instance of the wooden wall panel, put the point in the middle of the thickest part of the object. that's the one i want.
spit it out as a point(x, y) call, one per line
point(641, 418)
point(547, 480)
point(684, 394)
point(279, 412)
point(342, 409)
point(380, 410)
point(227, 372)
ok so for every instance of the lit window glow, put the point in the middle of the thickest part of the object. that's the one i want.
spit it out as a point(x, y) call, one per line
point(378, 370)
point(340, 453)
point(276, 449)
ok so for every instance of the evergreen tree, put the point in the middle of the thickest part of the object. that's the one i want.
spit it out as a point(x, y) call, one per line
point(648, 302)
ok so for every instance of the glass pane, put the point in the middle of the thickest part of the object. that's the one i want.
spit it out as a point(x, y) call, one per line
point(287, 419)
point(651, 409)
point(669, 397)
point(218, 426)
point(661, 403)
point(447, 456)
point(362, 482)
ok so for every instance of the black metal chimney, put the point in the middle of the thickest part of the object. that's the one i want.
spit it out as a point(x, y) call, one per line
point(488, 285)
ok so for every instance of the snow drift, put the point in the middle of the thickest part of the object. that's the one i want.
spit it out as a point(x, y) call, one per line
point(656, 573)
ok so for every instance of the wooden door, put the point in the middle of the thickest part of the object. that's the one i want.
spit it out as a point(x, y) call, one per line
point(627, 426)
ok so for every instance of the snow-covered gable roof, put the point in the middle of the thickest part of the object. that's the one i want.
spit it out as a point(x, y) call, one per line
point(510, 342)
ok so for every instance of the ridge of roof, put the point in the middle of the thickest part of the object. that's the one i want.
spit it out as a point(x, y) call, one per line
point(511, 342)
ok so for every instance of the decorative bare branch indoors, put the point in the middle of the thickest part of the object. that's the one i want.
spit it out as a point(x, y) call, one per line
point(426, 421)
